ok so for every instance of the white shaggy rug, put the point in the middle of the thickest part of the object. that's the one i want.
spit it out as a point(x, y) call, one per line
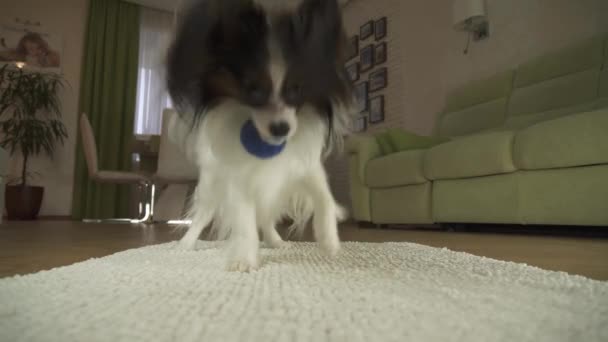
point(370, 292)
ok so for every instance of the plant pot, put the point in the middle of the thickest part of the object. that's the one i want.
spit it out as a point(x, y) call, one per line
point(23, 202)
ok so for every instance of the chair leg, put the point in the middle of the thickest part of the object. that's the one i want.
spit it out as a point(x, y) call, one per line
point(147, 210)
point(148, 205)
point(140, 201)
point(176, 222)
point(152, 200)
point(186, 202)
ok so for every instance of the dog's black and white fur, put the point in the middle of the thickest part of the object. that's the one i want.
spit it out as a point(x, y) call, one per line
point(233, 61)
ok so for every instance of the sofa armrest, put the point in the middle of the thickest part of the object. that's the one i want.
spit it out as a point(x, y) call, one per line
point(365, 148)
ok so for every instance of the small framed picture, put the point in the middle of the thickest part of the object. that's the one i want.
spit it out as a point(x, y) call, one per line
point(376, 109)
point(378, 79)
point(380, 54)
point(380, 28)
point(366, 30)
point(360, 124)
point(353, 71)
point(361, 94)
point(367, 58)
point(353, 47)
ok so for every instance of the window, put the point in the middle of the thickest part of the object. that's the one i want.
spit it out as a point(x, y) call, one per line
point(156, 30)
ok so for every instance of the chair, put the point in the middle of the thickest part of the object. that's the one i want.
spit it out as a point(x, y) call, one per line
point(115, 177)
point(173, 166)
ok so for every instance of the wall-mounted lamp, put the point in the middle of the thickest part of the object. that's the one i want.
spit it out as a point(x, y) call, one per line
point(470, 16)
point(20, 65)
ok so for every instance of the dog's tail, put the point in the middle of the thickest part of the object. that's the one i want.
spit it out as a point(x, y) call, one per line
point(301, 209)
point(206, 218)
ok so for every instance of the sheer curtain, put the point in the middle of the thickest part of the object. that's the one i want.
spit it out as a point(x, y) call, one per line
point(156, 30)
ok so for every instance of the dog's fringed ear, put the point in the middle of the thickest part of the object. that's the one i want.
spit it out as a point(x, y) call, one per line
point(239, 22)
point(209, 34)
point(188, 55)
point(319, 23)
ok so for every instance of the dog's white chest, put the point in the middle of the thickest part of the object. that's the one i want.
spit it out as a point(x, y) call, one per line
point(229, 174)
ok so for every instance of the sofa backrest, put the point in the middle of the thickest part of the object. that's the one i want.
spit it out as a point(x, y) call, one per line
point(556, 84)
point(477, 106)
point(564, 82)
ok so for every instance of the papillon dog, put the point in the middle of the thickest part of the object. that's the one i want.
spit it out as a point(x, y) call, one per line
point(263, 99)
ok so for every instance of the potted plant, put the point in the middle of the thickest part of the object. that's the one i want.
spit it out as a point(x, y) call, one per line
point(30, 123)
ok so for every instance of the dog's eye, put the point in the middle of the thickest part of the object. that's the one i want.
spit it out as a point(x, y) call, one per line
point(293, 93)
point(256, 96)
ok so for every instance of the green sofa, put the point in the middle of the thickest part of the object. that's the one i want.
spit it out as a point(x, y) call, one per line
point(526, 146)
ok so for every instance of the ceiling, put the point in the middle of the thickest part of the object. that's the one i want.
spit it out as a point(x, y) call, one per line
point(171, 5)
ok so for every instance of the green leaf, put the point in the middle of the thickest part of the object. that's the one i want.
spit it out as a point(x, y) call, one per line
point(30, 109)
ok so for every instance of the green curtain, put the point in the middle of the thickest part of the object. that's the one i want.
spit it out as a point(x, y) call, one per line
point(108, 95)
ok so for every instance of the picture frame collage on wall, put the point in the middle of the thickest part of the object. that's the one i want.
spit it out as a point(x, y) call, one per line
point(371, 55)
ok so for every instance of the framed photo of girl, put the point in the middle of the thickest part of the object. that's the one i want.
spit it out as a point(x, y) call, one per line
point(36, 50)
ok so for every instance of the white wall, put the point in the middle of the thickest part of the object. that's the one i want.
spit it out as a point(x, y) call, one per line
point(66, 18)
point(426, 58)
point(520, 30)
point(356, 13)
point(415, 43)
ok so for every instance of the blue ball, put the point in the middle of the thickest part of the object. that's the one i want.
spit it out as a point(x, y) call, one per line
point(255, 145)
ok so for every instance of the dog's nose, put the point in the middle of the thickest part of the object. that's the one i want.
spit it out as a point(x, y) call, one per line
point(279, 129)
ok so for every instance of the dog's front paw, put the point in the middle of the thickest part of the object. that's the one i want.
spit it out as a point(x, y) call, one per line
point(341, 213)
point(186, 244)
point(276, 243)
point(242, 265)
point(330, 245)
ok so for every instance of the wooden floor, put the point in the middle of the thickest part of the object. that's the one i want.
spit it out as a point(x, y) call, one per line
point(27, 247)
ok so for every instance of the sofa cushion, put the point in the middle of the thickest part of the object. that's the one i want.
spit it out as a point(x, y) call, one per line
point(404, 204)
point(568, 90)
point(402, 140)
point(401, 168)
point(569, 196)
point(476, 106)
point(576, 140)
point(471, 156)
point(473, 119)
point(522, 121)
point(384, 141)
point(565, 78)
point(364, 148)
point(480, 91)
point(477, 200)
point(584, 56)
point(359, 193)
